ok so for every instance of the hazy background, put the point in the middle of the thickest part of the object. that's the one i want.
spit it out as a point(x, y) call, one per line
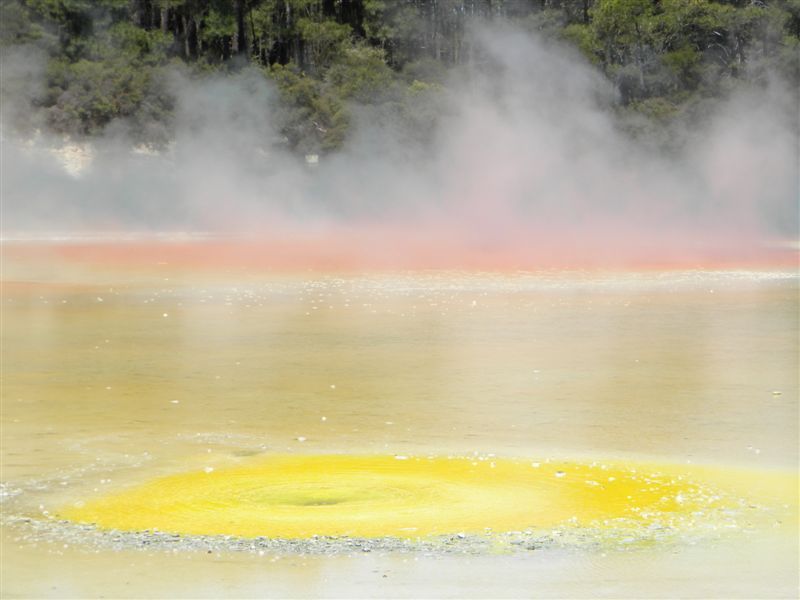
point(529, 155)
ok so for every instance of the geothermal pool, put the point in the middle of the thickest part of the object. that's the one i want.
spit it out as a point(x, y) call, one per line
point(170, 431)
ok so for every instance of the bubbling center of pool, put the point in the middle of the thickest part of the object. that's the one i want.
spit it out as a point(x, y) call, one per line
point(296, 497)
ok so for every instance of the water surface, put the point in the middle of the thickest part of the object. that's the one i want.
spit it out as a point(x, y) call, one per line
point(114, 378)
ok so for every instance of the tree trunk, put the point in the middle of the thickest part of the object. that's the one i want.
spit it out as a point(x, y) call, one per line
point(298, 52)
point(255, 47)
point(437, 50)
point(189, 37)
point(198, 21)
point(137, 10)
point(187, 50)
point(353, 15)
point(639, 56)
point(239, 41)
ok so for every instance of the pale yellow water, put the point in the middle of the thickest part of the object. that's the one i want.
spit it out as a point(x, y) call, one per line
point(116, 382)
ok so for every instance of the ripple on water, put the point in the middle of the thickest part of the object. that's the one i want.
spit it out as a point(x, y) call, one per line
point(520, 504)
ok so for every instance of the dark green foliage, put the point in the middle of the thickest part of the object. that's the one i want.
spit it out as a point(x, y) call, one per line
point(108, 59)
point(311, 116)
point(16, 26)
point(362, 75)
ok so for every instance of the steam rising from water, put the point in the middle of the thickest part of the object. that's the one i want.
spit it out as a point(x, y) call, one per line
point(529, 167)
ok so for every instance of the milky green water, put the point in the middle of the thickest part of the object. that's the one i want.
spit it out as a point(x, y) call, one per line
point(112, 379)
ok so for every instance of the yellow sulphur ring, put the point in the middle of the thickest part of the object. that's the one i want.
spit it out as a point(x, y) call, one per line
point(379, 496)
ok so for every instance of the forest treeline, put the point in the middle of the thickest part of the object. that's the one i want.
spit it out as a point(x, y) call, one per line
point(112, 60)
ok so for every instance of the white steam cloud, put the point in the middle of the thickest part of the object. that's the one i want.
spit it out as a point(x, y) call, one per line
point(529, 163)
